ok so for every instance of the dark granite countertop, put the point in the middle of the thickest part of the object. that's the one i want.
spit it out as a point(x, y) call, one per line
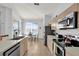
point(17, 38)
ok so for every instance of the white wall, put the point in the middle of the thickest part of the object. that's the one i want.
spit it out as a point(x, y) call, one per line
point(47, 18)
point(7, 18)
point(5, 21)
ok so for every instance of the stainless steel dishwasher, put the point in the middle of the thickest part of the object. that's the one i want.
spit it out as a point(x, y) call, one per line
point(13, 51)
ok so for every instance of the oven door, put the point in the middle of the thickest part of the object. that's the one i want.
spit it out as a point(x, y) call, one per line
point(59, 51)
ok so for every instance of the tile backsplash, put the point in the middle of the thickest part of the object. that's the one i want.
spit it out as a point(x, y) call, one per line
point(73, 32)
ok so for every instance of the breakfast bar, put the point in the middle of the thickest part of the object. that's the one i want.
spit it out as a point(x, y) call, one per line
point(6, 44)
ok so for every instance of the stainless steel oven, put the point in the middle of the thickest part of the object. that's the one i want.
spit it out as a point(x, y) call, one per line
point(59, 51)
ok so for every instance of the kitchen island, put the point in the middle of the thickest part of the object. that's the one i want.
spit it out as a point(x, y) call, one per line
point(6, 44)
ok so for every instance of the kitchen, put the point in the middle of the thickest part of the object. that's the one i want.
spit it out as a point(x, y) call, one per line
point(56, 32)
point(66, 31)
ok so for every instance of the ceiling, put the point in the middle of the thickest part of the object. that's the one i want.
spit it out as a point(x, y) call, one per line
point(31, 11)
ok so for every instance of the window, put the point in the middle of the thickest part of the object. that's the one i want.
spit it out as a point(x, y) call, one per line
point(31, 28)
point(15, 26)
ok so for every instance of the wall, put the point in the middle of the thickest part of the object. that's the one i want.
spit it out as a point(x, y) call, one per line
point(47, 18)
point(5, 21)
point(7, 18)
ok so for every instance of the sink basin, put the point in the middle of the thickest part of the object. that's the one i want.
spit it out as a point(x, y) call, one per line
point(17, 38)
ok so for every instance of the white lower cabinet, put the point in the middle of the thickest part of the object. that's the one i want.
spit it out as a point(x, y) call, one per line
point(23, 47)
point(50, 43)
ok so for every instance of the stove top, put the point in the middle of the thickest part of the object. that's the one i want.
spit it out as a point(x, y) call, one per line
point(63, 44)
point(72, 44)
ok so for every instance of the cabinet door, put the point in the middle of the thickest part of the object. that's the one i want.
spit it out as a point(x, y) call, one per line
point(26, 45)
point(23, 46)
point(49, 40)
